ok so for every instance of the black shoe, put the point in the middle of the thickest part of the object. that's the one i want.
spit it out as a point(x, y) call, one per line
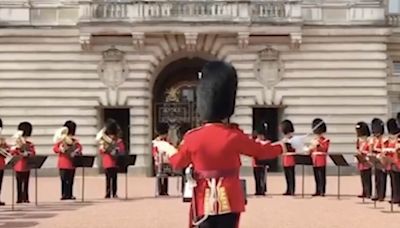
point(394, 201)
point(72, 198)
point(2, 203)
point(286, 194)
point(107, 197)
point(27, 201)
point(375, 198)
point(19, 201)
point(115, 196)
point(63, 198)
point(361, 196)
point(316, 194)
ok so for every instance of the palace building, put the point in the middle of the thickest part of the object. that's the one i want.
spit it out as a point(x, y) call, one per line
point(138, 61)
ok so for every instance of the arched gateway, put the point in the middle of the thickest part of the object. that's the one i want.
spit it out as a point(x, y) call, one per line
point(174, 95)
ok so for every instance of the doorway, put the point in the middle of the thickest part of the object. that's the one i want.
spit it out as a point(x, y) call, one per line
point(269, 117)
point(122, 116)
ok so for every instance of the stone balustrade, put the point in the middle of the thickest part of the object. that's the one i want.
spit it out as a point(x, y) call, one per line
point(393, 19)
point(197, 11)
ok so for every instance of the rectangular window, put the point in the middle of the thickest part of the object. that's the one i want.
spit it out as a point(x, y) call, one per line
point(396, 68)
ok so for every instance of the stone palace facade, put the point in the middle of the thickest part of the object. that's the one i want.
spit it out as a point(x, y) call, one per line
point(137, 61)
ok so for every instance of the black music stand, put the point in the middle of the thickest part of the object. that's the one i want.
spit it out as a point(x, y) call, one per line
point(303, 160)
point(361, 159)
point(244, 187)
point(10, 165)
point(339, 161)
point(35, 163)
point(123, 162)
point(83, 161)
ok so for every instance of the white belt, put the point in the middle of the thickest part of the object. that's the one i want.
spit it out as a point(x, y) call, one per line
point(319, 153)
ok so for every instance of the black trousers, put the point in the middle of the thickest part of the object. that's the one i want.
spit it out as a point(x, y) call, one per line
point(380, 183)
point(320, 179)
point(260, 180)
point(1, 179)
point(22, 186)
point(395, 183)
point(221, 221)
point(111, 181)
point(162, 186)
point(290, 179)
point(366, 182)
point(67, 182)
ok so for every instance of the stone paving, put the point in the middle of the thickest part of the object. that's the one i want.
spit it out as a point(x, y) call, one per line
point(143, 210)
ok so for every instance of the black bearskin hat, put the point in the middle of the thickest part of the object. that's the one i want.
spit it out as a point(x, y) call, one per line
point(392, 126)
point(318, 126)
point(216, 91)
point(71, 125)
point(377, 126)
point(112, 127)
point(26, 128)
point(287, 127)
point(162, 128)
point(362, 129)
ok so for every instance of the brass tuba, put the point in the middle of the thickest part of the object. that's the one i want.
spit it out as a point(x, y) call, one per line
point(4, 148)
point(61, 135)
point(107, 143)
point(19, 142)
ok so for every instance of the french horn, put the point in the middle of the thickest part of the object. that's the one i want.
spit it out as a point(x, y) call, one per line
point(3, 148)
point(61, 135)
point(106, 142)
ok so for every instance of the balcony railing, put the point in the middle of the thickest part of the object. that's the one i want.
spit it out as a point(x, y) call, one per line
point(393, 19)
point(193, 11)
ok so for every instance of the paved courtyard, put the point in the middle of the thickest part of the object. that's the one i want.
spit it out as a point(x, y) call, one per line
point(142, 210)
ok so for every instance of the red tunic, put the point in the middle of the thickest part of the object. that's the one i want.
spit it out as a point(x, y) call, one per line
point(108, 159)
point(287, 155)
point(64, 160)
point(390, 146)
point(216, 148)
point(319, 150)
point(376, 144)
point(254, 162)
point(21, 165)
point(363, 148)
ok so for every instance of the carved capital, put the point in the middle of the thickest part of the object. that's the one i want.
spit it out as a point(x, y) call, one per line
point(295, 40)
point(84, 40)
point(243, 39)
point(191, 40)
point(138, 40)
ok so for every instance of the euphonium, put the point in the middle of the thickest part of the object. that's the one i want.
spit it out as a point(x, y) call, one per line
point(19, 142)
point(3, 148)
point(68, 143)
point(108, 144)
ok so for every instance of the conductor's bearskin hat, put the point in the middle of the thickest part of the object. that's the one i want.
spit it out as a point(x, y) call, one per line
point(216, 91)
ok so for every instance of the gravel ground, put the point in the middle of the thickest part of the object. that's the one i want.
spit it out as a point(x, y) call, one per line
point(143, 210)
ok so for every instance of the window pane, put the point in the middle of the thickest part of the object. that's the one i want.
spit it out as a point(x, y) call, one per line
point(394, 6)
point(396, 68)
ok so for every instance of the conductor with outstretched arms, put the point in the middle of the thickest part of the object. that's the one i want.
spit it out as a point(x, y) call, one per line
point(214, 151)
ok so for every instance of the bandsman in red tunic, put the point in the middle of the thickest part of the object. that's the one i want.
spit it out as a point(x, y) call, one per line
point(4, 152)
point(391, 148)
point(23, 149)
point(214, 150)
point(159, 158)
point(111, 146)
point(288, 161)
point(376, 145)
point(365, 168)
point(259, 170)
point(318, 149)
point(67, 146)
